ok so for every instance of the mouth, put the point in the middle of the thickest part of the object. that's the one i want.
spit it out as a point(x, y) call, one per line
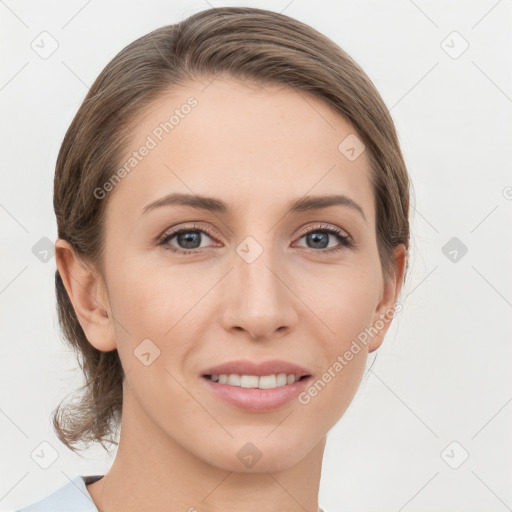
point(271, 381)
point(256, 387)
point(256, 374)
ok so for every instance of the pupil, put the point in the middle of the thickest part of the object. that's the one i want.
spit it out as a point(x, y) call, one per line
point(317, 237)
point(189, 238)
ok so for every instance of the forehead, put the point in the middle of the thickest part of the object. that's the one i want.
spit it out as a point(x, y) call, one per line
point(255, 146)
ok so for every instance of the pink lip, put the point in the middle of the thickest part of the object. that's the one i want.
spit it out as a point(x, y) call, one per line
point(247, 367)
point(255, 399)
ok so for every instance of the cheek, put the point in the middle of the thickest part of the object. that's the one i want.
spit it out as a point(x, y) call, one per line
point(345, 300)
point(327, 398)
point(346, 305)
point(160, 312)
point(151, 299)
point(354, 312)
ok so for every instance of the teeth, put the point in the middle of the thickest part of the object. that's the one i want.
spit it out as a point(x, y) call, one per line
point(248, 381)
point(266, 381)
point(282, 379)
point(253, 381)
point(234, 379)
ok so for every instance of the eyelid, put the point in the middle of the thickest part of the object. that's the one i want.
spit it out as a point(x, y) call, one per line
point(328, 227)
point(346, 240)
point(176, 230)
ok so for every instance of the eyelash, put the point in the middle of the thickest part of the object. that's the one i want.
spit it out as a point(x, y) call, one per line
point(345, 241)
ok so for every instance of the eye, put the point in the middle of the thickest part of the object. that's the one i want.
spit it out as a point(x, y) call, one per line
point(318, 238)
point(188, 239)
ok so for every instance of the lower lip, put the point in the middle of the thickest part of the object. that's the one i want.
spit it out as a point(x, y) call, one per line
point(255, 399)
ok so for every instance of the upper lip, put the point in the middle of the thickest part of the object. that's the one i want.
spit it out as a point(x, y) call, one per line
point(247, 367)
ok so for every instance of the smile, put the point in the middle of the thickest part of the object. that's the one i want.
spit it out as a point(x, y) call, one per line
point(255, 381)
point(256, 400)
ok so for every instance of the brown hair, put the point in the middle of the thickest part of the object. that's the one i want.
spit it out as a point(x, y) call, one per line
point(251, 44)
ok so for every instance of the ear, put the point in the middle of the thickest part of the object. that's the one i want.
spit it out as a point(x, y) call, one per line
point(384, 313)
point(88, 294)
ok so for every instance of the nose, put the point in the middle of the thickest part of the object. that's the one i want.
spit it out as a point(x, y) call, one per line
point(258, 296)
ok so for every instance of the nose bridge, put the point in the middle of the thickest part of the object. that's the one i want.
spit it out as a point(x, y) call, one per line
point(258, 300)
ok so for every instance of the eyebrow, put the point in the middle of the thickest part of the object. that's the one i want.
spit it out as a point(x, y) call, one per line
point(308, 203)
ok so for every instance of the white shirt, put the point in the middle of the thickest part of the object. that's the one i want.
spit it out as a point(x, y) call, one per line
point(71, 497)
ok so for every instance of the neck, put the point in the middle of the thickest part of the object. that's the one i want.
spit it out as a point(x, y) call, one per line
point(153, 472)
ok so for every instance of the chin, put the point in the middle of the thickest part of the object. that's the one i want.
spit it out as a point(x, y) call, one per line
point(259, 455)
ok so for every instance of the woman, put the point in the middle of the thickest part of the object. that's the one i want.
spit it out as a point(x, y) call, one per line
point(232, 207)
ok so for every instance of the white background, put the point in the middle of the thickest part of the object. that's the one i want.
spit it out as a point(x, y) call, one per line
point(443, 373)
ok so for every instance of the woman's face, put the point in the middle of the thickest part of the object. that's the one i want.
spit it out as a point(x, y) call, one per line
point(256, 274)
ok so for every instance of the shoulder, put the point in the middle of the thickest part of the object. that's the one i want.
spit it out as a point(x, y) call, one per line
point(71, 497)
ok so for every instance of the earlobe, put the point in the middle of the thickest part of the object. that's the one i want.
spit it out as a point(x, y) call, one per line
point(385, 311)
point(87, 292)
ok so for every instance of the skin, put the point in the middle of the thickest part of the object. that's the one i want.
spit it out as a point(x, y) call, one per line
point(256, 148)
